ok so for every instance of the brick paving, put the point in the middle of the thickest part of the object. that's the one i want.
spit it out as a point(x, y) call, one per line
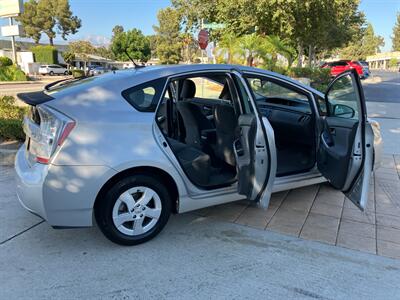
point(322, 214)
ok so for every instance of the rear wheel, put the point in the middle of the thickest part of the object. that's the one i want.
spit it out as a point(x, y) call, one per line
point(134, 210)
point(66, 73)
point(51, 73)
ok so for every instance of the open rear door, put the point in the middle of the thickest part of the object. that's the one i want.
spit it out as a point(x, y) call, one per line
point(254, 150)
point(345, 154)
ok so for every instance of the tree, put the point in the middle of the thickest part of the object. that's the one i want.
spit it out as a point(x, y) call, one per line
point(104, 52)
point(396, 34)
point(229, 45)
point(361, 47)
point(50, 17)
point(68, 57)
point(132, 41)
point(82, 49)
point(31, 23)
point(168, 36)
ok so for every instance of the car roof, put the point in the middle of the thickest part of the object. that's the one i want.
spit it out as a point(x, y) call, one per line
point(154, 72)
point(110, 85)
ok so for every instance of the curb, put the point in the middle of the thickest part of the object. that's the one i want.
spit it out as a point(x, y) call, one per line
point(19, 82)
point(8, 150)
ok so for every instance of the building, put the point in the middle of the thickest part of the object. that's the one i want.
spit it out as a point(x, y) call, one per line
point(381, 60)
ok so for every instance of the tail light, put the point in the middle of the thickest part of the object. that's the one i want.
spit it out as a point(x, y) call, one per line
point(51, 132)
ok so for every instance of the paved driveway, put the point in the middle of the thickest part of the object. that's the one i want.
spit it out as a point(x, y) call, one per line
point(195, 257)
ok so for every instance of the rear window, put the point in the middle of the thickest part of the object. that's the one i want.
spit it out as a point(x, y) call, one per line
point(145, 97)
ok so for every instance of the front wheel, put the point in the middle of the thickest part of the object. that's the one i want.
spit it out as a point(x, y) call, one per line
point(133, 210)
point(51, 73)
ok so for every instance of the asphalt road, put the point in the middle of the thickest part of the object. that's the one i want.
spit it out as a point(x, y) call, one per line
point(386, 91)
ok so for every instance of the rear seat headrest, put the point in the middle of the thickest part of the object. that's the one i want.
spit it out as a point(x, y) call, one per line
point(188, 89)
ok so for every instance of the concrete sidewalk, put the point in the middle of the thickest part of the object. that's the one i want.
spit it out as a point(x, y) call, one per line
point(195, 257)
point(388, 116)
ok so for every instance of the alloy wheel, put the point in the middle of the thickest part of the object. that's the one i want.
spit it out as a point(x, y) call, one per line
point(136, 211)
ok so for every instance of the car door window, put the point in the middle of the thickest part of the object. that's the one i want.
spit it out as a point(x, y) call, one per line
point(207, 88)
point(145, 97)
point(342, 99)
point(268, 92)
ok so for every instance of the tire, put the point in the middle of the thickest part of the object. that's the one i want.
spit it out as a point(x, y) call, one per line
point(134, 224)
point(66, 73)
point(51, 73)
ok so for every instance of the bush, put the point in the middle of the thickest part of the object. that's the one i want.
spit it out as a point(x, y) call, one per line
point(78, 73)
point(393, 63)
point(11, 118)
point(12, 73)
point(5, 61)
point(319, 77)
point(45, 54)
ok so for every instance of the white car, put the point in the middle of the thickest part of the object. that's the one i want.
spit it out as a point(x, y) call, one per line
point(52, 70)
point(129, 148)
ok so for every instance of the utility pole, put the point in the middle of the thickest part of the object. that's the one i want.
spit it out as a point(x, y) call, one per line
point(14, 51)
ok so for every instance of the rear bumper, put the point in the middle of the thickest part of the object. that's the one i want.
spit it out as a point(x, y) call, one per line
point(30, 182)
point(62, 195)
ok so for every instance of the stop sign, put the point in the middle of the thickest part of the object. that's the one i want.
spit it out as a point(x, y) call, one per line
point(203, 39)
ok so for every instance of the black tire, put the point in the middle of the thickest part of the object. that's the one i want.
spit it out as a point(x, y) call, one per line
point(66, 73)
point(104, 209)
point(51, 73)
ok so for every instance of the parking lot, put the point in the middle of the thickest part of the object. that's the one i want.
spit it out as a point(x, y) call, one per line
point(310, 243)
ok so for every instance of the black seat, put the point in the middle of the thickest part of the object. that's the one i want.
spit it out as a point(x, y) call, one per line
point(196, 164)
point(226, 126)
point(194, 120)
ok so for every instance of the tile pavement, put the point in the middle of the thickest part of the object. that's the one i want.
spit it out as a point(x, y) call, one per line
point(323, 214)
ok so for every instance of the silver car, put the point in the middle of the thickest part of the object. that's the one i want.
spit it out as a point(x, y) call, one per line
point(131, 147)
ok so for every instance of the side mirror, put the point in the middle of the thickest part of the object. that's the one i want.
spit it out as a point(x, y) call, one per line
point(343, 111)
point(257, 83)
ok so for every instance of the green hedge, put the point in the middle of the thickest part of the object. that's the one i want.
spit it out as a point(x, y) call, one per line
point(12, 73)
point(319, 77)
point(78, 73)
point(45, 54)
point(5, 61)
point(11, 118)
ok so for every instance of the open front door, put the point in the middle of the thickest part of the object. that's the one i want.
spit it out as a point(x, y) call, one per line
point(254, 151)
point(345, 154)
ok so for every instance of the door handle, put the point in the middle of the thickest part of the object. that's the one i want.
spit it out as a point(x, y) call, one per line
point(332, 131)
point(237, 145)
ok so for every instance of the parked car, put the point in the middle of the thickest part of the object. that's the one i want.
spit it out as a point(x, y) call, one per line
point(365, 67)
point(131, 147)
point(52, 70)
point(338, 67)
point(97, 71)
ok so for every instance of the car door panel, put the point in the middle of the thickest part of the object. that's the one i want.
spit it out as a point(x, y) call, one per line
point(336, 149)
point(254, 149)
point(345, 153)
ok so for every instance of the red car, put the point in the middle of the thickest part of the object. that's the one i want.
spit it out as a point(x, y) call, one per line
point(340, 66)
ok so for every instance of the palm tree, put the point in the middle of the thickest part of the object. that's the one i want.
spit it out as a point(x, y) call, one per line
point(250, 47)
point(282, 47)
point(229, 45)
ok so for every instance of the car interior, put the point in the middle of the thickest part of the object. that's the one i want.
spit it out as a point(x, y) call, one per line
point(199, 119)
point(290, 115)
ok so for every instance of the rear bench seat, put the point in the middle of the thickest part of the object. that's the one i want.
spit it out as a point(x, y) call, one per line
point(195, 163)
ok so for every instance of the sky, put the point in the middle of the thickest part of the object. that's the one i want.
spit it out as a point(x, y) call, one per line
point(100, 16)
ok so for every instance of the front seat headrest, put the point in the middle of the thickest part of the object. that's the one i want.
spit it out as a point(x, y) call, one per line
point(188, 89)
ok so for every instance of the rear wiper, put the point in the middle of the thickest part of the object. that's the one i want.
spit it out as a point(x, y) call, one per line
point(62, 82)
